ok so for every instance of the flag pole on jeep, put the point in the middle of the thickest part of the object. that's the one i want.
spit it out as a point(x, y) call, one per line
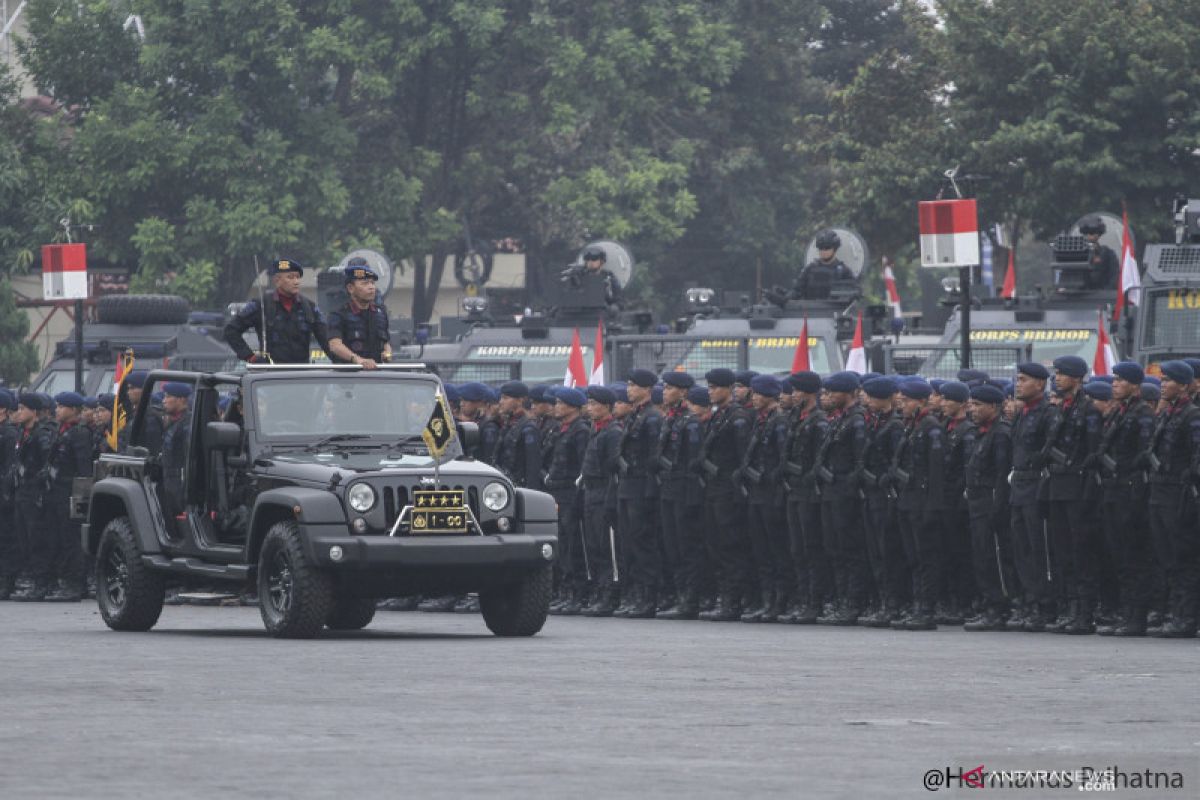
point(438, 433)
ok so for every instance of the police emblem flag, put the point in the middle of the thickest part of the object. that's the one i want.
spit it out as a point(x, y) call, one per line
point(439, 431)
point(123, 368)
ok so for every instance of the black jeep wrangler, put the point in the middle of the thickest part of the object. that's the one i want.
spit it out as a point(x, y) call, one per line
point(315, 487)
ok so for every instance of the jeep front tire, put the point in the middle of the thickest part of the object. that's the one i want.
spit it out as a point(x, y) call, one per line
point(130, 595)
point(520, 608)
point(295, 596)
point(350, 613)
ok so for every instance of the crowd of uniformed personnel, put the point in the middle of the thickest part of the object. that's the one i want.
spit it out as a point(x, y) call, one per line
point(1056, 502)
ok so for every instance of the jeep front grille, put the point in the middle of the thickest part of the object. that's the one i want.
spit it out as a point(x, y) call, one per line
point(395, 498)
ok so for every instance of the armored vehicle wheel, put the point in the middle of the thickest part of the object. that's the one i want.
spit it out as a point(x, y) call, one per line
point(142, 309)
point(129, 594)
point(294, 595)
point(350, 613)
point(518, 609)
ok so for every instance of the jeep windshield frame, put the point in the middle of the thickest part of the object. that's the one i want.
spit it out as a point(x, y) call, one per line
point(339, 410)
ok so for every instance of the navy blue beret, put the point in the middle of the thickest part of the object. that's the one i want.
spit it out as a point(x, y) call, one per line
point(136, 379)
point(7, 400)
point(1102, 379)
point(656, 396)
point(31, 400)
point(514, 389)
point(602, 394)
point(571, 396)
point(679, 379)
point(1034, 370)
point(766, 385)
point(90, 402)
point(721, 376)
point(452, 394)
point(474, 392)
point(1129, 371)
point(936, 384)
point(744, 377)
point(1151, 392)
point(866, 376)
point(785, 386)
point(969, 376)
point(357, 272)
point(224, 402)
point(1178, 371)
point(986, 393)
point(955, 392)
point(841, 382)
point(1009, 389)
point(699, 396)
point(106, 400)
point(69, 399)
point(1097, 390)
point(805, 381)
point(1071, 366)
point(643, 377)
point(621, 392)
point(1152, 379)
point(285, 265)
point(175, 389)
point(539, 393)
point(1194, 363)
point(493, 394)
point(880, 388)
point(917, 390)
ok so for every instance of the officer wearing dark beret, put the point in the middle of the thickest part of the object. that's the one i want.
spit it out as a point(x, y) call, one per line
point(177, 429)
point(741, 387)
point(562, 482)
point(519, 451)
point(1129, 371)
point(599, 523)
point(9, 543)
point(637, 498)
point(680, 380)
point(1098, 390)
point(1031, 432)
point(972, 377)
point(358, 331)
point(986, 473)
point(70, 457)
point(292, 321)
point(698, 396)
point(1072, 525)
point(957, 587)
point(805, 381)
point(726, 435)
point(761, 476)
point(1194, 363)
point(1174, 469)
point(1151, 392)
point(680, 567)
point(34, 551)
point(885, 432)
point(838, 470)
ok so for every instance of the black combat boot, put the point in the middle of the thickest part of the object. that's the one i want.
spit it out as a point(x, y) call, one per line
point(646, 606)
point(989, 620)
point(1081, 623)
point(630, 598)
point(1132, 623)
point(467, 605)
point(574, 605)
point(444, 603)
point(727, 609)
point(922, 619)
point(36, 593)
point(605, 603)
point(688, 607)
point(8, 584)
point(757, 613)
point(67, 592)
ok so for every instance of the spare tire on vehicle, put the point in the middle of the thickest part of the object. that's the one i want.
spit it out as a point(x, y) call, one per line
point(142, 309)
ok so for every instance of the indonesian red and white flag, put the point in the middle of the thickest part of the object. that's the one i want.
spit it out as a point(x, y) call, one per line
point(889, 281)
point(857, 360)
point(597, 376)
point(1010, 277)
point(1105, 358)
point(800, 361)
point(576, 373)
point(1130, 280)
point(949, 233)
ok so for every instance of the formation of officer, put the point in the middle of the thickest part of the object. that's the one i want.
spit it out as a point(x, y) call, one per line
point(1056, 502)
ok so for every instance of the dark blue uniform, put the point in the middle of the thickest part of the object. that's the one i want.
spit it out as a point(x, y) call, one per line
point(988, 462)
point(9, 542)
point(637, 495)
point(599, 469)
point(726, 437)
point(519, 451)
point(566, 464)
point(921, 506)
point(364, 331)
point(35, 550)
point(885, 553)
point(70, 458)
point(840, 461)
point(958, 585)
point(810, 562)
point(762, 474)
point(1173, 523)
point(291, 329)
point(1029, 537)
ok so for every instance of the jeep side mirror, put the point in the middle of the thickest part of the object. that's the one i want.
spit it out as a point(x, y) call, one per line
point(222, 436)
point(469, 432)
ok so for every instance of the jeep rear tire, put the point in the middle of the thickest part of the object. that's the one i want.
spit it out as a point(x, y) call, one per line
point(518, 609)
point(130, 595)
point(142, 309)
point(295, 596)
point(350, 613)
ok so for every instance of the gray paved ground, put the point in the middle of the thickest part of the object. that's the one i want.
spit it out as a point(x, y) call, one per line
point(425, 705)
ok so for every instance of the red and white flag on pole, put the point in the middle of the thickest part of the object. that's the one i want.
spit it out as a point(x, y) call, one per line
point(1129, 278)
point(576, 372)
point(889, 281)
point(800, 361)
point(1010, 277)
point(857, 360)
point(949, 233)
point(597, 376)
point(1105, 358)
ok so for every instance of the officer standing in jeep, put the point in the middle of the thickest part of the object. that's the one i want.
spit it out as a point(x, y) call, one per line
point(358, 331)
point(177, 427)
point(292, 321)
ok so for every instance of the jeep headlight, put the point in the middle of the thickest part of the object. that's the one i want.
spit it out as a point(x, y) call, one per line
point(361, 497)
point(495, 496)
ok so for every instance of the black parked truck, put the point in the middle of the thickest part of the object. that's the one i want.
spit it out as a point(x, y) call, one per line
point(316, 489)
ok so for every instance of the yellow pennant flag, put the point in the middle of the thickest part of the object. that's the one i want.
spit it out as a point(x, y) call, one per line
point(440, 430)
point(124, 367)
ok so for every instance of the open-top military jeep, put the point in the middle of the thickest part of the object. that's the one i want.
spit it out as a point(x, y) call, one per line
point(316, 488)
